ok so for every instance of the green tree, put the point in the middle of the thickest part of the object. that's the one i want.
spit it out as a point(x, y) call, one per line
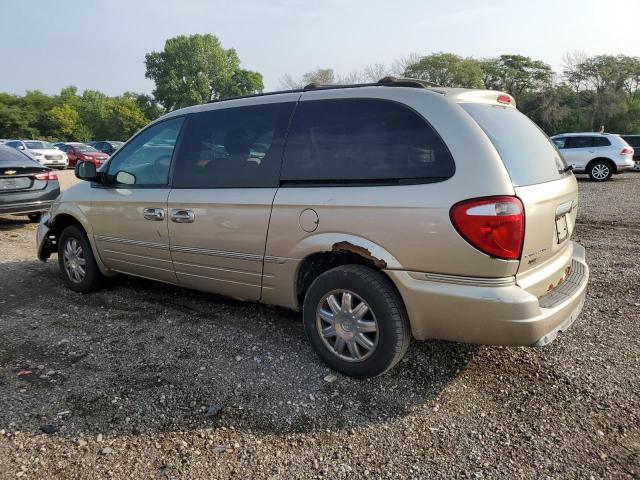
point(515, 74)
point(241, 82)
point(191, 70)
point(447, 70)
point(65, 121)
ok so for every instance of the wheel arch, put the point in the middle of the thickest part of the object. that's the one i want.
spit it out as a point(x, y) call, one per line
point(327, 251)
point(611, 163)
point(66, 217)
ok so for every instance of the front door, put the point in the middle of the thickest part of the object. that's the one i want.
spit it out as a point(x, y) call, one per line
point(129, 212)
point(225, 179)
point(578, 151)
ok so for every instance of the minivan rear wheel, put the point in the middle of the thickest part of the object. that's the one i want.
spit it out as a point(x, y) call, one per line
point(600, 171)
point(356, 321)
point(77, 263)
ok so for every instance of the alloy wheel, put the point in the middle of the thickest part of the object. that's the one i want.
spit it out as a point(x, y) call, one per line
point(347, 325)
point(74, 261)
point(600, 171)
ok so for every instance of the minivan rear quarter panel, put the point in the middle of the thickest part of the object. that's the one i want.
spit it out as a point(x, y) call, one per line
point(410, 222)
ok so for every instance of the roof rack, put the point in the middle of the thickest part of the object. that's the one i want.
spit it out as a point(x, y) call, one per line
point(383, 82)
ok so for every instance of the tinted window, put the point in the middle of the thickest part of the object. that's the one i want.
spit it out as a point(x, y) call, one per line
point(363, 140)
point(148, 156)
point(602, 142)
point(233, 147)
point(580, 142)
point(526, 151)
point(560, 141)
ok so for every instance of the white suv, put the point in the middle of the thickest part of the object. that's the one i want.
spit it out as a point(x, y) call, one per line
point(598, 154)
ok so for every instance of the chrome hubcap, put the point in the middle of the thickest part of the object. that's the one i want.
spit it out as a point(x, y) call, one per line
point(347, 325)
point(600, 171)
point(74, 262)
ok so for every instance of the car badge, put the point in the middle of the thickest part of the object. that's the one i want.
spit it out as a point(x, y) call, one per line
point(10, 172)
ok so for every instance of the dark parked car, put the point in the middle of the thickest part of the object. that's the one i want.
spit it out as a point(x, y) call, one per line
point(106, 146)
point(634, 141)
point(26, 186)
point(80, 152)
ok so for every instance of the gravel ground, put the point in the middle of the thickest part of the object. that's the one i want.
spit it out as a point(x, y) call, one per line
point(144, 380)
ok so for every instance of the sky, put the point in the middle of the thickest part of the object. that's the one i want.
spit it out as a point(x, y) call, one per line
point(101, 44)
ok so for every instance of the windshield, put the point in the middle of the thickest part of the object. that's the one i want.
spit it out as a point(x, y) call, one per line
point(526, 151)
point(39, 145)
point(84, 148)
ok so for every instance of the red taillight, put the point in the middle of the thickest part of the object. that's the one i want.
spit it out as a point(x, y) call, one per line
point(46, 176)
point(627, 151)
point(504, 99)
point(494, 225)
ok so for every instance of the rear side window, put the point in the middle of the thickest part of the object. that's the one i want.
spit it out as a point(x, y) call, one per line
point(234, 147)
point(526, 151)
point(363, 141)
point(602, 142)
point(581, 142)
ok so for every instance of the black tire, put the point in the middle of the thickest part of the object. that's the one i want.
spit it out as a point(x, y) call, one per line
point(35, 217)
point(92, 278)
point(386, 309)
point(600, 170)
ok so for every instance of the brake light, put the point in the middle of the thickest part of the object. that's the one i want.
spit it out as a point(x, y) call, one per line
point(46, 176)
point(493, 225)
point(627, 151)
point(504, 99)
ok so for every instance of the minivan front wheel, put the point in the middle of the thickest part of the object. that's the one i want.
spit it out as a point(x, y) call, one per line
point(600, 171)
point(77, 263)
point(356, 321)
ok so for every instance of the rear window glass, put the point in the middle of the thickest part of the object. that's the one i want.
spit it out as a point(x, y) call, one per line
point(363, 141)
point(527, 153)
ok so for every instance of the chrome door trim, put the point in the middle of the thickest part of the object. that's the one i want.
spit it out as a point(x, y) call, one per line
point(126, 241)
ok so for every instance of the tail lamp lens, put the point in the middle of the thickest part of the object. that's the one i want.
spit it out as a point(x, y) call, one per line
point(493, 225)
point(627, 151)
point(46, 176)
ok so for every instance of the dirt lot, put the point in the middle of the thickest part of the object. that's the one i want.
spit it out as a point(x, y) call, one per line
point(144, 380)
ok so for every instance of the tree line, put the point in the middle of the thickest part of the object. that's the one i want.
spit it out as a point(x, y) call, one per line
point(589, 92)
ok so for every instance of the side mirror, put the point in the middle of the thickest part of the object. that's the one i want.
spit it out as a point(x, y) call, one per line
point(20, 147)
point(125, 178)
point(86, 171)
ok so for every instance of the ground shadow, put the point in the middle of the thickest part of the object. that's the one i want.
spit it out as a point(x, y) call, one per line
point(9, 222)
point(140, 356)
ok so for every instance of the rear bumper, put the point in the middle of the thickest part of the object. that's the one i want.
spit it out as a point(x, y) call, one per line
point(29, 201)
point(491, 311)
point(31, 207)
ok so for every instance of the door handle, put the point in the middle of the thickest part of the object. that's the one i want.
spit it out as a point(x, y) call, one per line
point(179, 215)
point(153, 214)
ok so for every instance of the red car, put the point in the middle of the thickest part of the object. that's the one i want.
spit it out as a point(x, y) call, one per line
point(79, 152)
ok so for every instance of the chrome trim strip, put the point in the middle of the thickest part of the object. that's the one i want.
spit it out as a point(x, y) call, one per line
point(217, 253)
point(216, 279)
point(218, 269)
point(251, 257)
point(127, 254)
point(272, 259)
point(137, 243)
point(472, 281)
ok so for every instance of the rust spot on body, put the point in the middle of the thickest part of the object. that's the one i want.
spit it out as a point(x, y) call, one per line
point(358, 250)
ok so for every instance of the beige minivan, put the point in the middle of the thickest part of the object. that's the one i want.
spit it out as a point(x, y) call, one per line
point(382, 211)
